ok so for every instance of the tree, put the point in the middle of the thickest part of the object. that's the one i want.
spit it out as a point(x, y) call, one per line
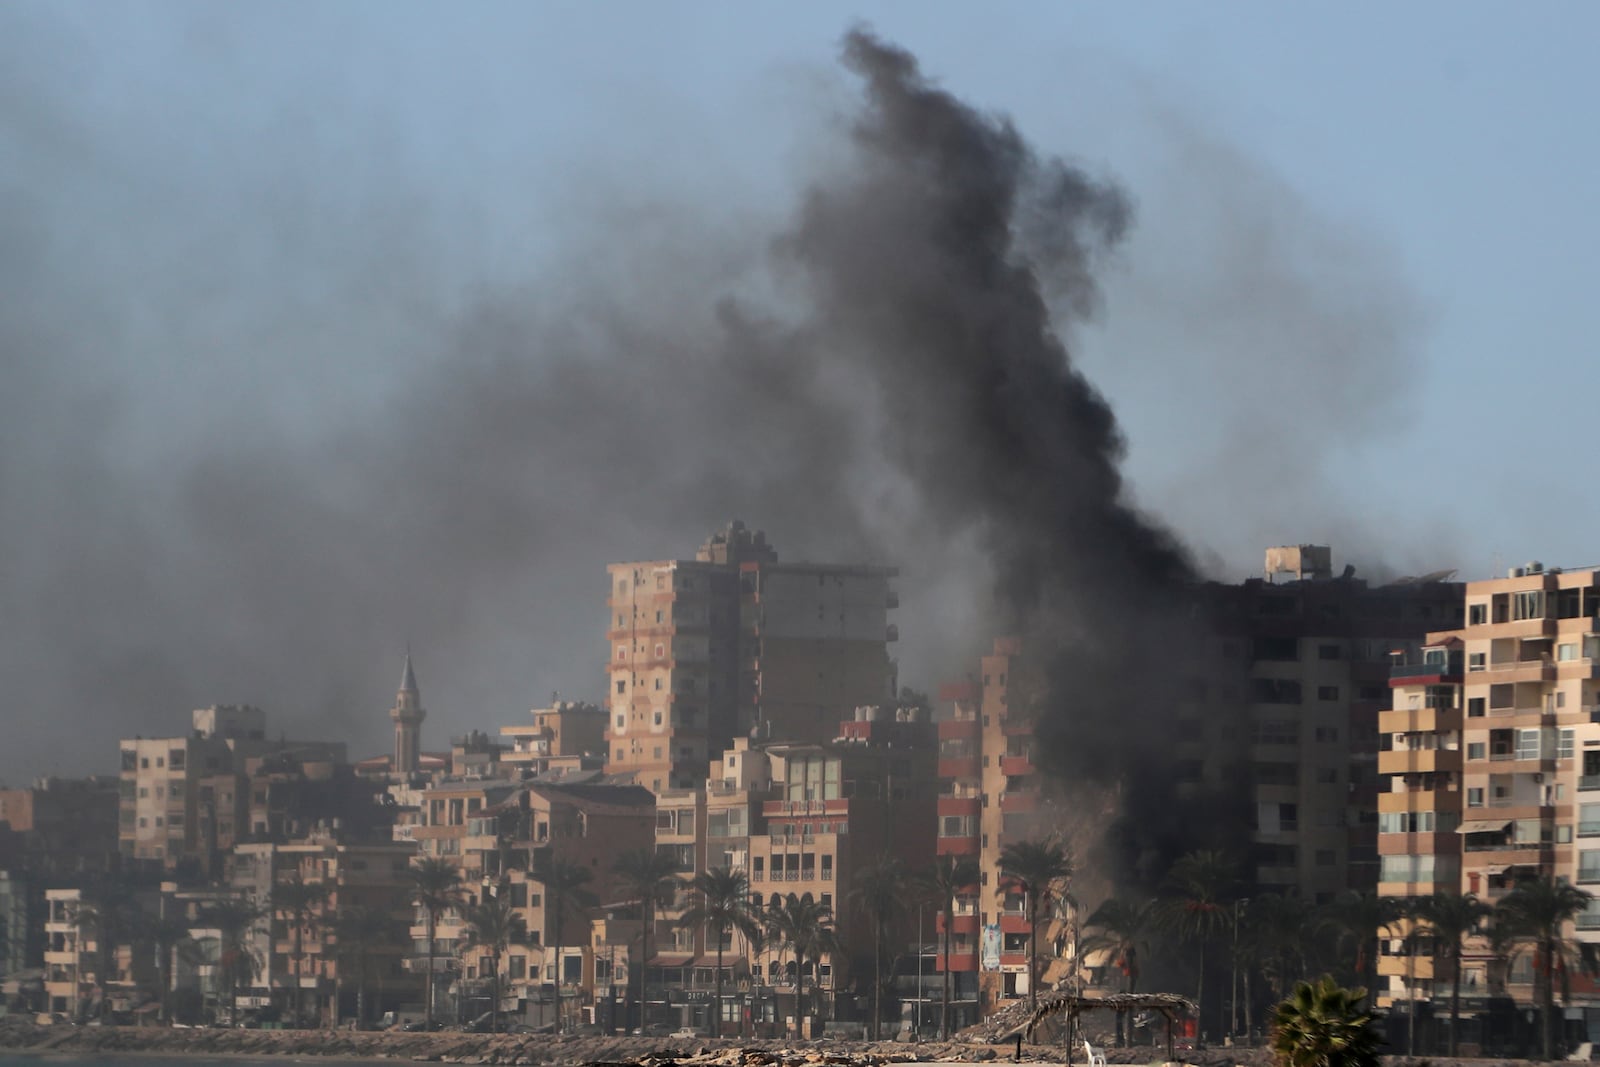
point(1417, 933)
point(435, 888)
point(168, 935)
point(1197, 908)
point(806, 928)
point(1358, 920)
point(880, 893)
point(651, 878)
point(722, 904)
point(107, 907)
point(1033, 868)
point(1124, 927)
point(361, 933)
point(299, 901)
point(237, 923)
point(494, 926)
point(1322, 1025)
point(566, 891)
point(944, 880)
point(1453, 917)
point(1537, 913)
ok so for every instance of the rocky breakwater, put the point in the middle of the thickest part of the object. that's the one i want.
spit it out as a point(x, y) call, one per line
point(22, 1035)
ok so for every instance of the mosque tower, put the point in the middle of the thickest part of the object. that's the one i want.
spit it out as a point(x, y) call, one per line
point(407, 714)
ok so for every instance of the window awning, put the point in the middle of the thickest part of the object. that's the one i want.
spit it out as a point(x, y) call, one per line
point(1484, 826)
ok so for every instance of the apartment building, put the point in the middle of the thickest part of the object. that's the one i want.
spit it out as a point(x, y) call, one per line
point(569, 736)
point(1285, 676)
point(189, 798)
point(371, 874)
point(1503, 711)
point(734, 642)
point(1420, 832)
point(838, 809)
point(1300, 668)
point(66, 827)
point(502, 835)
point(71, 956)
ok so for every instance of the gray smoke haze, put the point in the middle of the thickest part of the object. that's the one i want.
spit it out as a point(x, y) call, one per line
point(876, 374)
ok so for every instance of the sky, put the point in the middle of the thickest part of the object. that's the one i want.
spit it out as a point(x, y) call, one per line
point(261, 267)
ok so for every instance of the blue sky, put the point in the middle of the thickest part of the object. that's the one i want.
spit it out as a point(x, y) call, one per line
point(245, 221)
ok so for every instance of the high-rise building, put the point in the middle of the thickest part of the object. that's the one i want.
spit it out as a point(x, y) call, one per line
point(1285, 676)
point(1494, 751)
point(735, 643)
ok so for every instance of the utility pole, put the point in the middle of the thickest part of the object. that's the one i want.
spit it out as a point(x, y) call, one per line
point(1237, 904)
point(916, 1023)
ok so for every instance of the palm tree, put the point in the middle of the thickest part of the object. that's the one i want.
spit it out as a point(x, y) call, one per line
point(1033, 868)
point(1323, 1025)
point(806, 928)
point(944, 880)
point(1537, 913)
point(237, 925)
point(722, 903)
point(1453, 917)
point(566, 889)
point(651, 878)
point(880, 893)
point(299, 901)
point(1124, 927)
point(1197, 908)
point(435, 888)
point(1413, 920)
point(492, 927)
point(169, 935)
point(107, 907)
point(361, 933)
point(1359, 920)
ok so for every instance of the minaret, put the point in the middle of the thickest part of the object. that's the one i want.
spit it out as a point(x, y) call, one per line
point(407, 714)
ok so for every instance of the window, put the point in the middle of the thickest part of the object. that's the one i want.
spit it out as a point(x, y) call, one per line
point(1277, 732)
point(1527, 744)
point(1476, 661)
point(1475, 708)
point(1325, 857)
point(1528, 605)
point(1567, 651)
point(1477, 614)
point(622, 686)
point(1475, 797)
point(1328, 775)
point(1476, 750)
point(1329, 652)
point(1327, 733)
point(1327, 692)
point(1564, 743)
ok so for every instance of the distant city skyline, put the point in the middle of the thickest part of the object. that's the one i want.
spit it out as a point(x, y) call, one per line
point(264, 263)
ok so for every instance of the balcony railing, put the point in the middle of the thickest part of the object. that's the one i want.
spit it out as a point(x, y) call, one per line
point(1588, 781)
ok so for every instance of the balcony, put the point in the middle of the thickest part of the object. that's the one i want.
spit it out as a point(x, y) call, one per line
point(1419, 760)
point(959, 730)
point(441, 964)
point(957, 846)
point(1419, 673)
point(1011, 766)
point(1019, 800)
point(1016, 725)
point(959, 767)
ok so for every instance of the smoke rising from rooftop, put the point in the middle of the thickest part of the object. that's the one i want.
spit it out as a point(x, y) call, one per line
point(214, 515)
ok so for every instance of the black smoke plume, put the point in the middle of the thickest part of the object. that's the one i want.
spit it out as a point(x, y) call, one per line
point(257, 435)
